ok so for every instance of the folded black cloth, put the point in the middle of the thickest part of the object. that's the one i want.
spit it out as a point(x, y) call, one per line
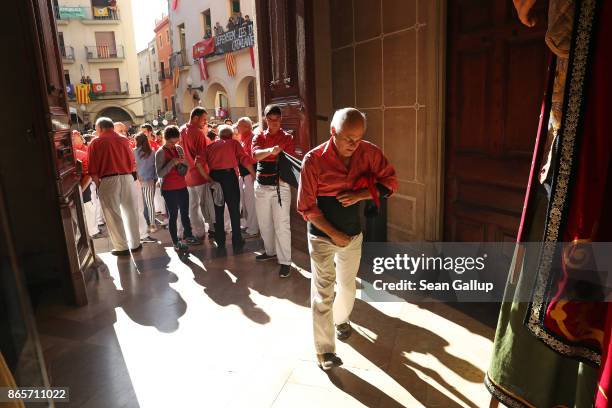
point(289, 169)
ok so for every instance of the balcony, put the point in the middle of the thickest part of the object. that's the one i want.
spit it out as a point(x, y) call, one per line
point(180, 59)
point(67, 54)
point(104, 53)
point(101, 91)
point(164, 74)
point(87, 15)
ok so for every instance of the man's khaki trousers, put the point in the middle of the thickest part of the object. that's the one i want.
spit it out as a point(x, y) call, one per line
point(327, 311)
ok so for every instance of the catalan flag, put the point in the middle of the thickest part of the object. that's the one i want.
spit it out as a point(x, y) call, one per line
point(82, 94)
point(230, 64)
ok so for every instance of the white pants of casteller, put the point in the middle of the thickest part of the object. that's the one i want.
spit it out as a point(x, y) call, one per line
point(142, 222)
point(158, 201)
point(119, 207)
point(327, 311)
point(96, 202)
point(274, 220)
point(196, 211)
point(89, 208)
point(247, 198)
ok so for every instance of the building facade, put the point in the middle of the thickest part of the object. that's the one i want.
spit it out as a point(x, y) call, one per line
point(223, 79)
point(149, 82)
point(97, 47)
point(164, 71)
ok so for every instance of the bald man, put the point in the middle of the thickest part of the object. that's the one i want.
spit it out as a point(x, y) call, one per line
point(328, 194)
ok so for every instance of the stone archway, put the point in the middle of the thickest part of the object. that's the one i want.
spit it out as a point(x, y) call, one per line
point(246, 103)
point(117, 114)
point(216, 97)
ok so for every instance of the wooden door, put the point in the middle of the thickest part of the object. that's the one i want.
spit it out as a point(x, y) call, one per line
point(495, 84)
point(286, 65)
point(76, 252)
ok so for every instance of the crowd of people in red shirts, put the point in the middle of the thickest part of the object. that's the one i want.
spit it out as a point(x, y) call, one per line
point(195, 175)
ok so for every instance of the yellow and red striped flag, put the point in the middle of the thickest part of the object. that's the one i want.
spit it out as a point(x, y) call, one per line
point(82, 94)
point(230, 64)
point(103, 51)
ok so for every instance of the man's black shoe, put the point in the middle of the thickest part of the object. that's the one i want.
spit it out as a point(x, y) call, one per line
point(137, 249)
point(125, 252)
point(284, 271)
point(327, 361)
point(343, 331)
point(264, 257)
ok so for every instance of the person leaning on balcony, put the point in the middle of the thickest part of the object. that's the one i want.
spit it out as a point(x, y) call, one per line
point(194, 142)
point(335, 177)
point(111, 165)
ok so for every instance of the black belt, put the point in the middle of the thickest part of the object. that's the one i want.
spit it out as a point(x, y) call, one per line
point(115, 174)
point(232, 170)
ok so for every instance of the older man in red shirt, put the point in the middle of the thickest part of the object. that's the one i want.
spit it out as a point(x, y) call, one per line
point(111, 164)
point(222, 157)
point(272, 213)
point(194, 141)
point(332, 181)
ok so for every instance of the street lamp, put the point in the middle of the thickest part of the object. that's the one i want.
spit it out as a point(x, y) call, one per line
point(191, 87)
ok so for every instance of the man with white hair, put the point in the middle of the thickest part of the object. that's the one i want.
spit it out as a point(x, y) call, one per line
point(222, 158)
point(111, 165)
point(247, 181)
point(335, 177)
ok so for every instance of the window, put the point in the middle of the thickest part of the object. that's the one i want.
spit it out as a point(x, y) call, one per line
point(155, 65)
point(62, 45)
point(67, 76)
point(110, 78)
point(251, 93)
point(156, 88)
point(161, 43)
point(173, 106)
point(161, 69)
point(234, 7)
point(165, 104)
point(182, 41)
point(167, 36)
point(206, 24)
point(105, 44)
point(153, 50)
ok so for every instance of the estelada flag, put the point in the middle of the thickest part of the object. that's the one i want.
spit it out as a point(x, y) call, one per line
point(82, 94)
point(230, 64)
point(203, 69)
point(99, 88)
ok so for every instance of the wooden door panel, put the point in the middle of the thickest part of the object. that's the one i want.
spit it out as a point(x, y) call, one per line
point(495, 83)
point(286, 66)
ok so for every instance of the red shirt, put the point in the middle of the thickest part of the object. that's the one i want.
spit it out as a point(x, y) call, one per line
point(225, 154)
point(324, 174)
point(154, 145)
point(172, 180)
point(110, 153)
point(247, 144)
point(266, 140)
point(194, 142)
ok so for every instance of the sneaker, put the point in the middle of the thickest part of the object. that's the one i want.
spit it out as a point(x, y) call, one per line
point(264, 257)
point(125, 252)
point(284, 271)
point(148, 240)
point(327, 361)
point(343, 331)
point(137, 249)
point(193, 241)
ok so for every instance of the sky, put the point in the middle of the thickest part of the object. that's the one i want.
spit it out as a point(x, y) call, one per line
point(145, 12)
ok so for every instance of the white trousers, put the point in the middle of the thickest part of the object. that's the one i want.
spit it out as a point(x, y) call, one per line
point(119, 207)
point(327, 311)
point(158, 200)
point(142, 222)
point(247, 199)
point(197, 211)
point(89, 210)
point(274, 221)
point(96, 202)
